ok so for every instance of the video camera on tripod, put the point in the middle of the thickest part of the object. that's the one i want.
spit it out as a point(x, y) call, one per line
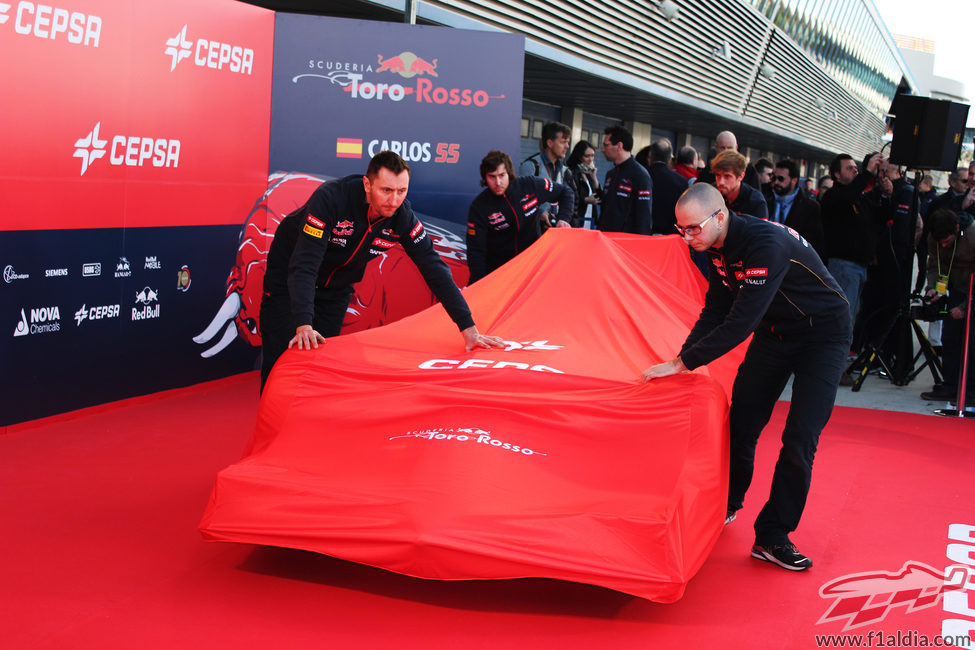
point(927, 308)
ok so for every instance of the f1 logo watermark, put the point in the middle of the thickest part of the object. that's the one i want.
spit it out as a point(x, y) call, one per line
point(866, 598)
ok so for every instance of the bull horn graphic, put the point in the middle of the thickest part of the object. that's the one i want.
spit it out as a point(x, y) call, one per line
point(224, 318)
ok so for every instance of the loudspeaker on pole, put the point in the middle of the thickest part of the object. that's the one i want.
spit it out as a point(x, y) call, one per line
point(928, 133)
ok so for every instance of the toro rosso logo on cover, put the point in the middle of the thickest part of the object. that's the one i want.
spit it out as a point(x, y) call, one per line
point(128, 151)
point(209, 54)
point(473, 435)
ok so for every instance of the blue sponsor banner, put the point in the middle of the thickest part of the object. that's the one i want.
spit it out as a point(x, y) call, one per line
point(343, 90)
point(97, 315)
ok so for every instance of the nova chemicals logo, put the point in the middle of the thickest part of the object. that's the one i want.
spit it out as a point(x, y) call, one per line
point(128, 151)
point(53, 23)
point(209, 54)
point(43, 320)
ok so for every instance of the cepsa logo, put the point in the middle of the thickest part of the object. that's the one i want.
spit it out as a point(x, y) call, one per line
point(128, 151)
point(209, 54)
point(456, 364)
point(53, 23)
point(407, 65)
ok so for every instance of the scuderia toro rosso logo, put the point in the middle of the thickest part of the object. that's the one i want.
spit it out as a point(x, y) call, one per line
point(407, 65)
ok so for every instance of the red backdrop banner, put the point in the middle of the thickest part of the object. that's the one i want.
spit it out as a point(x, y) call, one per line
point(120, 114)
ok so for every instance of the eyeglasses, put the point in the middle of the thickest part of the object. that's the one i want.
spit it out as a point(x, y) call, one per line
point(782, 179)
point(695, 230)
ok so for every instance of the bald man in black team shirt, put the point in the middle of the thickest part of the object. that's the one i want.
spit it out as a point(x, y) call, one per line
point(765, 278)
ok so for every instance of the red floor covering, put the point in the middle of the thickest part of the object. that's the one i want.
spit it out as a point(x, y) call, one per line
point(99, 548)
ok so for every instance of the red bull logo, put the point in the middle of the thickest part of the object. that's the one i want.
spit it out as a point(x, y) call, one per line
point(865, 598)
point(407, 65)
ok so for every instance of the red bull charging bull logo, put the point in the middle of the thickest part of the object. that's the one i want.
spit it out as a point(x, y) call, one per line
point(407, 65)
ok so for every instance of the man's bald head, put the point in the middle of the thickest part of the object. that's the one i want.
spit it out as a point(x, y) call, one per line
point(700, 198)
point(701, 216)
point(724, 141)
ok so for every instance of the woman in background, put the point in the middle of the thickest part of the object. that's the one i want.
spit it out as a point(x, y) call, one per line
point(582, 165)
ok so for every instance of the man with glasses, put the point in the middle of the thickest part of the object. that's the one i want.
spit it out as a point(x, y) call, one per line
point(765, 279)
point(627, 193)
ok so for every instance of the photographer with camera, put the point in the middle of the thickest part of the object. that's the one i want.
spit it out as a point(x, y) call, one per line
point(951, 261)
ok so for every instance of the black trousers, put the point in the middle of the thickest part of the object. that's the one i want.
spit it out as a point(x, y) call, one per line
point(278, 326)
point(953, 344)
point(769, 362)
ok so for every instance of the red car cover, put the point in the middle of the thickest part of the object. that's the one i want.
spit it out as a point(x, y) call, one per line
point(394, 447)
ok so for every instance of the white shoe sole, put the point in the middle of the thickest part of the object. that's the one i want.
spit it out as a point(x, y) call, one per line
point(768, 557)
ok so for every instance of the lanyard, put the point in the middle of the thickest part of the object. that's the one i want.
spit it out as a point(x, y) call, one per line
point(944, 278)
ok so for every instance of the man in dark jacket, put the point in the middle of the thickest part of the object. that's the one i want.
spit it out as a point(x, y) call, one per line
point(765, 279)
point(668, 185)
point(505, 218)
point(627, 204)
point(850, 222)
point(790, 205)
point(321, 249)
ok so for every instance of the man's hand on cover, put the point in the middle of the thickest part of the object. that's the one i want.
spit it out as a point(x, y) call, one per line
point(474, 339)
point(665, 369)
point(306, 338)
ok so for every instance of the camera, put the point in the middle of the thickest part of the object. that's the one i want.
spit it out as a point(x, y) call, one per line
point(928, 309)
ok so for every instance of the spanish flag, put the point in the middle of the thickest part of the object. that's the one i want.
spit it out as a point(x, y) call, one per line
point(348, 148)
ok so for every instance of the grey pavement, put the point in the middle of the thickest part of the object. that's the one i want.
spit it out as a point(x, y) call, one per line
point(877, 392)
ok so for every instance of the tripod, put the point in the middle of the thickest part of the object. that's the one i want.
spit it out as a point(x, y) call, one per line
point(901, 369)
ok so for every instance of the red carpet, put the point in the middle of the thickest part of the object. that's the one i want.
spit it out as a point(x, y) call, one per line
point(99, 549)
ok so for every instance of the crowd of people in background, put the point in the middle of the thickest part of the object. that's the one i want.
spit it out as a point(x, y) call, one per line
point(858, 218)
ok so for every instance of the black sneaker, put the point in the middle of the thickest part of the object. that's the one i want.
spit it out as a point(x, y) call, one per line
point(785, 555)
point(730, 517)
point(940, 395)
